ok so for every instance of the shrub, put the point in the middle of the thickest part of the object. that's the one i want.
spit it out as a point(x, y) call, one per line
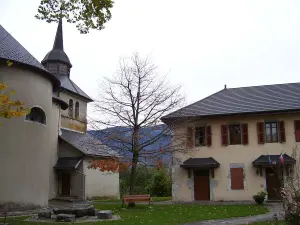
point(260, 197)
point(161, 184)
point(153, 181)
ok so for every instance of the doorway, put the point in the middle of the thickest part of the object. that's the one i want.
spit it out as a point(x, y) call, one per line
point(201, 185)
point(66, 184)
point(273, 184)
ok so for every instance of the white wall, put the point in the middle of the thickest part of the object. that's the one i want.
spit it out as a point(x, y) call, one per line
point(100, 184)
point(27, 147)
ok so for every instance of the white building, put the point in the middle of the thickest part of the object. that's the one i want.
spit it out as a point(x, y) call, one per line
point(46, 154)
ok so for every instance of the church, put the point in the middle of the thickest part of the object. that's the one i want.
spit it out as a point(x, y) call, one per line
point(47, 154)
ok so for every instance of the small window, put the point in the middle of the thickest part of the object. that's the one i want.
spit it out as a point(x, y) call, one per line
point(77, 110)
point(297, 130)
point(237, 178)
point(36, 115)
point(203, 136)
point(271, 132)
point(235, 137)
point(200, 136)
point(71, 108)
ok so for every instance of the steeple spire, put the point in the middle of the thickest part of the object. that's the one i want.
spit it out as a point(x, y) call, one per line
point(59, 41)
point(57, 61)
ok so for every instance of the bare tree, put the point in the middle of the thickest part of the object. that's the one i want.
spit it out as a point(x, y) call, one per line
point(135, 99)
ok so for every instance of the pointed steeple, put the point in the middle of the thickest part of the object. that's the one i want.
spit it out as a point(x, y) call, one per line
point(59, 41)
point(57, 61)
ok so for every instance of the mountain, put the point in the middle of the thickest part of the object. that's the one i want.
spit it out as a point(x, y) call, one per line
point(148, 133)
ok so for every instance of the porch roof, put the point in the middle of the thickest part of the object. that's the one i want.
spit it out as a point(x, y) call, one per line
point(263, 160)
point(200, 163)
point(67, 163)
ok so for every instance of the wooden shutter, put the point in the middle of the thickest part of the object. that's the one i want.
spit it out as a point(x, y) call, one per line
point(237, 178)
point(245, 139)
point(261, 132)
point(297, 130)
point(190, 137)
point(224, 135)
point(208, 136)
point(281, 130)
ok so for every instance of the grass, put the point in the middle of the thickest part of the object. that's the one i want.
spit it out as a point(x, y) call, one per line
point(167, 214)
point(154, 199)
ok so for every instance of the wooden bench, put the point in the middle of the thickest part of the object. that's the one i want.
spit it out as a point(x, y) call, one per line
point(136, 198)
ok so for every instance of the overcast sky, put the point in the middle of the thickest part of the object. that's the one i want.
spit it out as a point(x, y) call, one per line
point(201, 44)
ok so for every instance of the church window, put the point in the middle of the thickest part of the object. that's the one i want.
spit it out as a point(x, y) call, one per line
point(71, 108)
point(36, 115)
point(77, 110)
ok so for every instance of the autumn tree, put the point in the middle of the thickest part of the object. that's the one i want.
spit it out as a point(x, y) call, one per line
point(86, 14)
point(10, 108)
point(134, 99)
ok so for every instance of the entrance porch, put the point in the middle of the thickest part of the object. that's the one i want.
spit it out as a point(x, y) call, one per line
point(70, 178)
point(201, 170)
point(275, 172)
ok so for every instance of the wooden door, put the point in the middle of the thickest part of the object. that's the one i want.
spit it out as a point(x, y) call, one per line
point(201, 185)
point(273, 184)
point(66, 184)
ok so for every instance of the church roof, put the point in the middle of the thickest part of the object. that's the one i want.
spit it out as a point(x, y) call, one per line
point(69, 85)
point(11, 49)
point(57, 53)
point(87, 144)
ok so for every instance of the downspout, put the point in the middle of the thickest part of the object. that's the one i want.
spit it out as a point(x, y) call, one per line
point(83, 189)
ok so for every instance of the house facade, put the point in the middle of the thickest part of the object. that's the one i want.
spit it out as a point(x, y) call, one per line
point(239, 141)
point(46, 154)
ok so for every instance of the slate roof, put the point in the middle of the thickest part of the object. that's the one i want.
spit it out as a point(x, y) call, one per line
point(11, 49)
point(67, 163)
point(69, 85)
point(58, 53)
point(200, 163)
point(244, 100)
point(87, 144)
point(263, 160)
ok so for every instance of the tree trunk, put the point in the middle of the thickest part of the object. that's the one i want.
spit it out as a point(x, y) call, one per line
point(133, 174)
point(135, 157)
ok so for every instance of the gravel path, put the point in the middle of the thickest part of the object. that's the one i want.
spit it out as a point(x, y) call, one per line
point(274, 208)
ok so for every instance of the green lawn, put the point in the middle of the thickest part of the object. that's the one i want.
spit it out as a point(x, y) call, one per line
point(154, 199)
point(169, 214)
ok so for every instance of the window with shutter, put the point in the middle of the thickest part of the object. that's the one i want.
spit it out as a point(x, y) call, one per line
point(203, 136)
point(297, 130)
point(271, 132)
point(208, 136)
point(237, 178)
point(260, 133)
point(245, 140)
point(281, 131)
point(224, 135)
point(200, 139)
point(235, 136)
point(189, 137)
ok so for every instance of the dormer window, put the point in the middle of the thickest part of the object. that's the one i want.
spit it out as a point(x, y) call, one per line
point(71, 108)
point(77, 110)
point(36, 115)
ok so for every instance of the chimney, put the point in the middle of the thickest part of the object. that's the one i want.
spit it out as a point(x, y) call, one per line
point(225, 87)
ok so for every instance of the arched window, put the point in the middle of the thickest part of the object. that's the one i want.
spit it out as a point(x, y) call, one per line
point(36, 115)
point(77, 110)
point(71, 108)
